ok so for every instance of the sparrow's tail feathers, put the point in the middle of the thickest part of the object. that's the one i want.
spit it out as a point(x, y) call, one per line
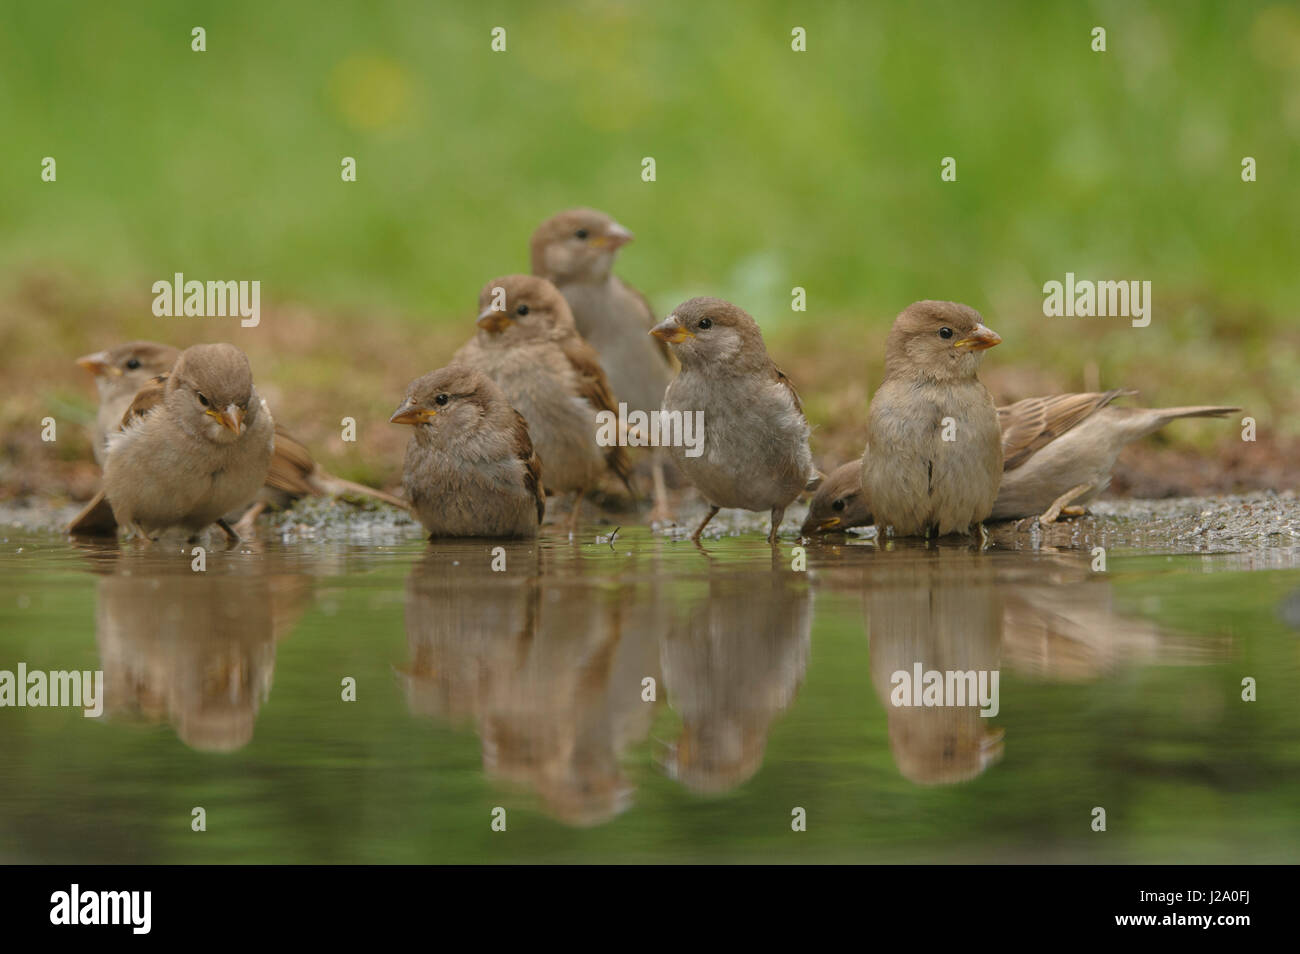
point(337, 486)
point(95, 519)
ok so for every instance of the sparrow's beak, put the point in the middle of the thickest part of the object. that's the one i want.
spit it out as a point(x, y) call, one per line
point(671, 331)
point(232, 419)
point(979, 339)
point(97, 364)
point(811, 526)
point(410, 414)
point(494, 321)
point(615, 237)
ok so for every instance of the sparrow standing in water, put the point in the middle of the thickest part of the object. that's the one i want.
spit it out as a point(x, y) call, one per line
point(755, 452)
point(470, 468)
point(122, 371)
point(575, 251)
point(1057, 450)
point(936, 457)
point(192, 448)
point(528, 345)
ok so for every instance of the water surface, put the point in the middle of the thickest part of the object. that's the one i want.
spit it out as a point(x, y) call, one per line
point(647, 700)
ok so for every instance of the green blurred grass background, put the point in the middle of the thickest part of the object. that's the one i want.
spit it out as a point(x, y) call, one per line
point(775, 169)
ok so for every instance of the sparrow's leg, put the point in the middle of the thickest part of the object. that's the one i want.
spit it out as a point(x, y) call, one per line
point(660, 513)
point(228, 530)
point(1054, 511)
point(713, 512)
point(577, 513)
point(777, 514)
point(245, 525)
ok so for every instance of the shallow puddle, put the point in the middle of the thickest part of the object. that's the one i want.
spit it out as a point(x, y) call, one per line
point(647, 700)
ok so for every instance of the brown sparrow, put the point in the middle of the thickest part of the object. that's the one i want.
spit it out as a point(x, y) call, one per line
point(1057, 450)
point(122, 371)
point(192, 448)
point(755, 451)
point(528, 345)
point(119, 373)
point(470, 468)
point(936, 453)
point(575, 251)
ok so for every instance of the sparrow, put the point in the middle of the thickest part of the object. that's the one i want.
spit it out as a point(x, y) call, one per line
point(755, 452)
point(193, 446)
point(575, 251)
point(528, 345)
point(1057, 450)
point(119, 373)
point(122, 371)
point(936, 457)
point(839, 502)
point(470, 467)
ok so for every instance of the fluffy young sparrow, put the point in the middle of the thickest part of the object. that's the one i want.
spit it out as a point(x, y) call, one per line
point(575, 251)
point(470, 468)
point(122, 371)
point(755, 453)
point(193, 447)
point(1057, 450)
point(528, 345)
point(936, 455)
point(119, 373)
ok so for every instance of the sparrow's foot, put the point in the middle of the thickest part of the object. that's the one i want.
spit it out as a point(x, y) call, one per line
point(576, 515)
point(1062, 503)
point(713, 512)
point(660, 512)
point(229, 531)
point(244, 528)
point(777, 514)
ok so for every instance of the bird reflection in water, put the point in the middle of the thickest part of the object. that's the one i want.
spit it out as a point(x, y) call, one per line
point(193, 649)
point(545, 663)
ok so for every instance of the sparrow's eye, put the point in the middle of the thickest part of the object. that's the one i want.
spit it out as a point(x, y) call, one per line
point(521, 310)
point(132, 363)
point(838, 505)
point(581, 233)
point(442, 399)
point(945, 333)
point(203, 400)
point(706, 324)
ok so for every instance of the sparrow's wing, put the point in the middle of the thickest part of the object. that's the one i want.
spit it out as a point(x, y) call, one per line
point(649, 314)
point(593, 387)
point(145, 400)
point(789, 386)
point(532, 465)
point(292, 466)
point(1031, 424)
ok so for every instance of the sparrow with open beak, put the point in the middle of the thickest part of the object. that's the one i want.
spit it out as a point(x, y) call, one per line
point(470, 467)
point(935, 457)
point(528, 345)
point(575, 251)
point(755, 453)
point(1058, 454)
point(193, 447)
